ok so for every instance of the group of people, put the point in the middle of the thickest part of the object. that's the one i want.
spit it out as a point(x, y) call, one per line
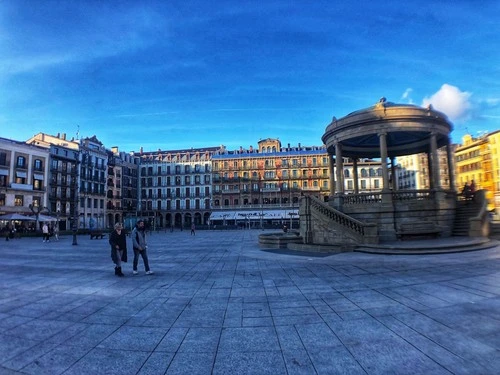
point(118, 242)
point(49, 231)
point(469, 190)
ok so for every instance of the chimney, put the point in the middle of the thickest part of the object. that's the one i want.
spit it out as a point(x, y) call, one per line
point(114, 149)
point(63, 136)
point(299, 146)
point(58, 135)
point(251, 148)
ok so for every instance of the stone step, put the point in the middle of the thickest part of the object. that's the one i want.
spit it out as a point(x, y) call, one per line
point(452, 245)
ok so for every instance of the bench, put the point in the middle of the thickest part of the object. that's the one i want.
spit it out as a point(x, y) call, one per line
point(418, 229)
point(97, 235)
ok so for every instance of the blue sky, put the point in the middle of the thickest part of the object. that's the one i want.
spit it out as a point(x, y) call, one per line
point(180, 74)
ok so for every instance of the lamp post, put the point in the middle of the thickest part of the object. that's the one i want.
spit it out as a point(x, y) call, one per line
point(36, 210)
point(74, 226)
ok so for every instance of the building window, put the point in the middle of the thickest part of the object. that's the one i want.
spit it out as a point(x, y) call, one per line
point(3, 181)
point(36, 201)
point(20, 177)
point(19, 200)
point(37, 184)
point(3, 158)
point(37, 165)
point(21, 162)
point(2, 199)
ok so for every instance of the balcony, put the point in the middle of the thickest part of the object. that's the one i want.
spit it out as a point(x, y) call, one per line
point(26, 187)
point(311, 188)
point(234, 191)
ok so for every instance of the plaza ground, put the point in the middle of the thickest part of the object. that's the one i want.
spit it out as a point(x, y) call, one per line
point(218, 304)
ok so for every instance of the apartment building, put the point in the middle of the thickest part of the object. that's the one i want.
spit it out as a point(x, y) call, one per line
point(478, 159)
point(122, 192)
point(92, 194)
point(413, 171)
point(175, 186)
point(265, 184)
point(24, 171)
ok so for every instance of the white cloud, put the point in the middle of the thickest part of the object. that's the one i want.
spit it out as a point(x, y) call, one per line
point(451, 101)
point(407, 96)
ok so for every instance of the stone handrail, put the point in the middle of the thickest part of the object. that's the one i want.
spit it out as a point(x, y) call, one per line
point(365, 233)
point(479, 226)
point(400, 195)
point(362, 198)
point(409, 195)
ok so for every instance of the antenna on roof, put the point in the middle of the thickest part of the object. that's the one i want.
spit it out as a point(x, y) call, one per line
point(77, 131)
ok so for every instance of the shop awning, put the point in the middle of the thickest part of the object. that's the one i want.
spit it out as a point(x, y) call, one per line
point(254, 214)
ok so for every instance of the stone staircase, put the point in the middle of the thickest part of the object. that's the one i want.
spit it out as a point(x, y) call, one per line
point(465, 211)
point(495, 230)
point(435, 246)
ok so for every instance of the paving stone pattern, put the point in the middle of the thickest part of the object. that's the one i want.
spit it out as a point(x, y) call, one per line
point(217, 304)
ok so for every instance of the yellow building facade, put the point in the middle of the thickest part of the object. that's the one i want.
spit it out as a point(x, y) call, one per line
point(478, 160)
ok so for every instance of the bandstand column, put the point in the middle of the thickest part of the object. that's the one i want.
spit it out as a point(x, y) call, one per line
point(435, 162)
point(355, 175)
point(339, 165)
point(429, 169)
point(332, 174)
point(449, 157)
point(393, 174)
point(383, 160)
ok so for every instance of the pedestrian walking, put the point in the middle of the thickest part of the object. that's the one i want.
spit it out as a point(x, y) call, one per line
point(118, 243)
point(45, 232)
point(140, 246)
point(56, 231)
point(193, 227)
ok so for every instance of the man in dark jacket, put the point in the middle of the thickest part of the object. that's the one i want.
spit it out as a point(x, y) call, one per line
point(140, 247)
point(118, 242)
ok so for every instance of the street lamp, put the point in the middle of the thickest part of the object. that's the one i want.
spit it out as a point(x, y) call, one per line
point(36, 209)
point(74, 226)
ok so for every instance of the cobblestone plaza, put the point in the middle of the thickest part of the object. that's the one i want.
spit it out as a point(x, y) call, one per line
point(218, 304)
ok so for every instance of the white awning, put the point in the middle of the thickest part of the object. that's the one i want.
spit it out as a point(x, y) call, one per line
point(4, 172)
point(221, 215)
point(255, 214)
point(38, 176)
point(20, 174)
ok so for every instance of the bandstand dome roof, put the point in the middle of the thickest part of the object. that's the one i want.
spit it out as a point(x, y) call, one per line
point(408, 128)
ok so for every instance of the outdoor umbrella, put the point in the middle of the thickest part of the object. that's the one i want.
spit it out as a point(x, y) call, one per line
point(45, 218)
point(16, 217)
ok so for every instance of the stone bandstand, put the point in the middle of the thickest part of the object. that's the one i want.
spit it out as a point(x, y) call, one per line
point(386, 131)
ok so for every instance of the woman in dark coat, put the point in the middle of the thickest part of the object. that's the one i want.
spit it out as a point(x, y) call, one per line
point(118, 242)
